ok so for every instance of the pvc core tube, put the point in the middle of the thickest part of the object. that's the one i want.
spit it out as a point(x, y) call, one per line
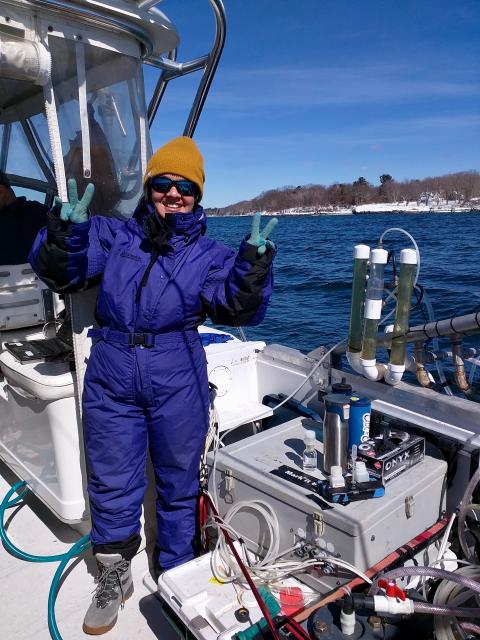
point(373, 303)
point(361, 253)
point(408, 267)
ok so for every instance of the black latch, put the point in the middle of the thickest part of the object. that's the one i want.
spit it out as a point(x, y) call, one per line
point(141, 340)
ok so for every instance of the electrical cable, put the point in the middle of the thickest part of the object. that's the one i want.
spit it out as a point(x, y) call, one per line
point(430, 572)
point(462, 515)
point(471, 373)
point(259, 599)
point(295, 629)
point(242, 334)
point(443, 545)
point(412, 240)
point(449, 594)
point(268, 568)
point(220, 553)
point(261, 569)
point(435, 343)
point(309, 375)
point(282, 570)
point(469, 627)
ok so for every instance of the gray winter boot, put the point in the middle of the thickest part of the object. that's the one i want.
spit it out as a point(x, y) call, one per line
point(114, 586)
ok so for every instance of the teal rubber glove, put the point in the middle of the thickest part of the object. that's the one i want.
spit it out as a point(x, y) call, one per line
point(75, 210)
point(259, 238)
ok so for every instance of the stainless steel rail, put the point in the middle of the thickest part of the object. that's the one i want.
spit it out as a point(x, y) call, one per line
point(39, 153)
point(7, 133)
point(172, 69)
point(460, 325)
point(457, 326)
point(147, 4)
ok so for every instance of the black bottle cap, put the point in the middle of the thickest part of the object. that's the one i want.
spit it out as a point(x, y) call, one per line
point(242, 614)
point(342, 387)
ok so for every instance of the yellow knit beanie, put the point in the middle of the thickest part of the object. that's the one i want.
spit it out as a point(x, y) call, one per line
point(181, 157)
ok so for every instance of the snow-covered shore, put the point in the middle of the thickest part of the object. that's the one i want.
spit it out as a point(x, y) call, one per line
point(384, 207)
point(414, 207)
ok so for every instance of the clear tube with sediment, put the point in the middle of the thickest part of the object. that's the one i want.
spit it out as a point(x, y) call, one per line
point(373, 306)
point(361, 253)
point(408, 266)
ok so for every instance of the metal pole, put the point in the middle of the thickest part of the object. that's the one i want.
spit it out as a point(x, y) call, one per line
point(221, 28)
point(208, 62)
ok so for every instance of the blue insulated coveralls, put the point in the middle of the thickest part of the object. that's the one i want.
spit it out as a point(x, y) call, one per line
point(146, 381)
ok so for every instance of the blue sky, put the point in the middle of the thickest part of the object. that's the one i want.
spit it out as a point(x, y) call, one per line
point(322, 91)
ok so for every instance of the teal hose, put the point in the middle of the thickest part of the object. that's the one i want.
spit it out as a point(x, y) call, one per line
point(9, 546)
point(77, 549)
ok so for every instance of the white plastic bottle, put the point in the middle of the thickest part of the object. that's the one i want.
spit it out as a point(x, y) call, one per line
point(360, 472)
point(310, 453)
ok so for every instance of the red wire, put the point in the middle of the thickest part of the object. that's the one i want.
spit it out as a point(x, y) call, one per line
point(251, 584)
point(297, 630)
point(202, 520)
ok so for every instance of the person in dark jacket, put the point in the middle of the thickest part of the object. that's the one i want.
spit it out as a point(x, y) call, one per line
point(146, 382)
point(20, 221)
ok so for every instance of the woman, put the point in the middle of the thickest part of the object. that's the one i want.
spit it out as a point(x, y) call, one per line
point(146, 382)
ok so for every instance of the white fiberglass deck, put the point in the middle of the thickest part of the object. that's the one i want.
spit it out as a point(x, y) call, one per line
point(25, 585)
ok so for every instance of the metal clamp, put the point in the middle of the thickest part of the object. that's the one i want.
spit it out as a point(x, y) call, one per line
point(318, 524)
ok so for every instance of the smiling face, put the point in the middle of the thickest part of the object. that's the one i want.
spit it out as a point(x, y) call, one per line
point(171, 201)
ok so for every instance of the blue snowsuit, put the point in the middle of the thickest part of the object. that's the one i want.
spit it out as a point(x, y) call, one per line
point(146, 382)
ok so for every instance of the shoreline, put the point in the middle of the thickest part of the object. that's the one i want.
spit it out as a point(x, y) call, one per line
point(374, 208)
point(351, 213)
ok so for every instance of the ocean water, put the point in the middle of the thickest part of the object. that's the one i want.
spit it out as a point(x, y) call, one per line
point(310, 305)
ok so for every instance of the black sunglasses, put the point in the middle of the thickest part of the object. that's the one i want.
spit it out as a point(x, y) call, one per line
point(184, 187)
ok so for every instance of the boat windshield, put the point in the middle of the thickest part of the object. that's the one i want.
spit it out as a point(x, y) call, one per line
point(99, 100)
point(103, 135)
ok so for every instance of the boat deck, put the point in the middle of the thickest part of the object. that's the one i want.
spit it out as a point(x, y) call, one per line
point(23, 605)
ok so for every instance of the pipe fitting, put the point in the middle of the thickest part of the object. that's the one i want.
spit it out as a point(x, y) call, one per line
point(347, 617)
point(394, 373)
point(354, 360)
point(423, 377)
point(372, 370)
point(458, 366)
point(393, 606)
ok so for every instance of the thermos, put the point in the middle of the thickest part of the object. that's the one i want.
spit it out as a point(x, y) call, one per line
point(335, 431)
point(359, 421)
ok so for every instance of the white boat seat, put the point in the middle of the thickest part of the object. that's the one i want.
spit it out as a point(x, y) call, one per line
point(47, 381)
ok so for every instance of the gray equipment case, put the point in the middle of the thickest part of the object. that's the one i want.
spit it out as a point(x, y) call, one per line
point(362, 533)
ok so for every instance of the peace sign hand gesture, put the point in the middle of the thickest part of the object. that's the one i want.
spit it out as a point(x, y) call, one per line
point(75, 210)
point(260, 238)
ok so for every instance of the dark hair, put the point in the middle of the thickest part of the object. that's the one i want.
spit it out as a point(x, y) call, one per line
point(4, 180)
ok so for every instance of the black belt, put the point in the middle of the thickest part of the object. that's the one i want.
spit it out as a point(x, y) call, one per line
point(145, 340)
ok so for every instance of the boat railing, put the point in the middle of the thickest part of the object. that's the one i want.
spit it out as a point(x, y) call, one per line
point(172, 69)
